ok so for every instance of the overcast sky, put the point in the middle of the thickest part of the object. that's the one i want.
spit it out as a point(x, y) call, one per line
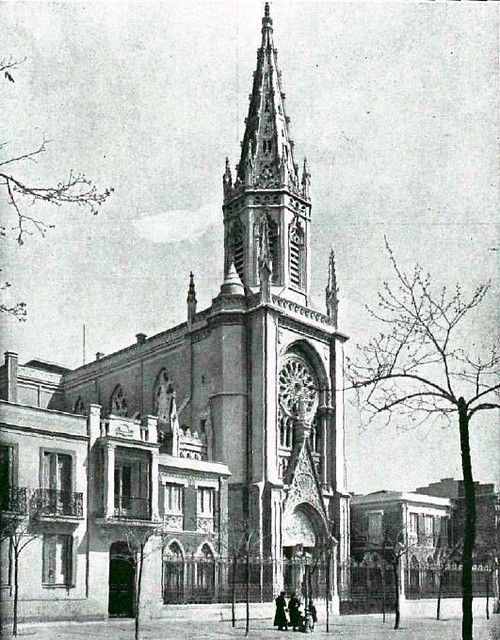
point(394, 104)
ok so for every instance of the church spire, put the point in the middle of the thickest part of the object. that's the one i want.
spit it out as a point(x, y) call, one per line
point(268, 194)
point(267, 158)
point(332, 301)
point(191, 299)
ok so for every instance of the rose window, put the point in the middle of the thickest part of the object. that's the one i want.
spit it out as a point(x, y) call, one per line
point(298, 396)
point(297, 387)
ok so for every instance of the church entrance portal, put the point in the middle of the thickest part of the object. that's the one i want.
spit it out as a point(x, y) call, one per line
point(121, 581)
point(300, 553)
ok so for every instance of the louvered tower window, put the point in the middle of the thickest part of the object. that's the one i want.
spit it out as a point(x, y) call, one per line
point(237, 249)
point(297, 256)
point(274, 248)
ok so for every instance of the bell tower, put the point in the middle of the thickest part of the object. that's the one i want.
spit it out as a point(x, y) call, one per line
point(267, 208)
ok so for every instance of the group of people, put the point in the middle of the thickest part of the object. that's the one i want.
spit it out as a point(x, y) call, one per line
point(290, 614)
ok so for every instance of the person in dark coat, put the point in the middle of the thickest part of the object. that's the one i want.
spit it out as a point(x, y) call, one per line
point(295, 613)
point(280, 619)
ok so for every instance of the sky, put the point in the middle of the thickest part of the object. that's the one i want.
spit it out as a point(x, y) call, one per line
point(395, 106)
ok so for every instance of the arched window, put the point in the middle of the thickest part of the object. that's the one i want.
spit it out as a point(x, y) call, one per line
point(173, 574)
point(297, 255)
point(315, 436)
point(117, 402)
point(79, 406)
point(205, 575)
point(162, 396)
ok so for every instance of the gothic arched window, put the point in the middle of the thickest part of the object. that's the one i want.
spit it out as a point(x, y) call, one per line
point(297, 400)
point(297, 255)
point(79, 406)
point(117, 402)
point(162, 396)
point(173, 574)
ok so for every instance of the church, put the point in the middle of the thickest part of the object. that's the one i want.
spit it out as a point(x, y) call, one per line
point(234, 416)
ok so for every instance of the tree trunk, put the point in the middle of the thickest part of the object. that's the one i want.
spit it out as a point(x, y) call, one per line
point(16, 589)
point(470, 522)
point(138, 592)
point(397, 616)
point(233, 594)
point(382, 575)
point(440, 589)
point(247, 593)
point(487, 596)
point(328, 568)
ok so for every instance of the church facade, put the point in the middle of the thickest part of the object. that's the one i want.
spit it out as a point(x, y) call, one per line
point(244, 398)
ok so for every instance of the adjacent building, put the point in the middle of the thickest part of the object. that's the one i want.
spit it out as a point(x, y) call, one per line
point(487, 545)
point(79, 491)
point(384, 519)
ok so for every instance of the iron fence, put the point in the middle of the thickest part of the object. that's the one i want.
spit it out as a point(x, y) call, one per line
point(192, 579)
point(52, 502)
point(13, 500)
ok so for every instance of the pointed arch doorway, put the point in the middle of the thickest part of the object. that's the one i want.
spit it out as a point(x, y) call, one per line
point(303, 531)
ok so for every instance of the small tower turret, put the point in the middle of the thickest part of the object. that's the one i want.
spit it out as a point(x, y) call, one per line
point(191, 300)
point(332, 300)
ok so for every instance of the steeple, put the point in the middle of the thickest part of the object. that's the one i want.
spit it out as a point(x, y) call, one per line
point(268, 194)
point(332, 301)
point(191, 299)
point(267, 150)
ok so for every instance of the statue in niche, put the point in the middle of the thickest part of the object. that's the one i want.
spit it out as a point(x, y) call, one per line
point(165, 407)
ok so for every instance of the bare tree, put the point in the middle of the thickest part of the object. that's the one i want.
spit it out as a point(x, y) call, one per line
point(75, 189)
point(16, 520)
point(444, 556)
point(417, 367)
point(395, 547)
point(139, 548)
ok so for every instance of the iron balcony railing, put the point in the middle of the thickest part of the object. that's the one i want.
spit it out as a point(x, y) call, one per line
point(13, 500)
point(132, 507)
point(52, 502)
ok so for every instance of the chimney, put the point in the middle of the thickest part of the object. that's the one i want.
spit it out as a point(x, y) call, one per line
point(99, 355)
point(140, 338)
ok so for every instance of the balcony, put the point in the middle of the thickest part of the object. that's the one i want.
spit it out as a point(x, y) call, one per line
point(13, 501)
point(129, 507)
point(52, 504)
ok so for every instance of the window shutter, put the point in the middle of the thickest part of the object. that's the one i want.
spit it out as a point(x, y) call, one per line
point(49, 559)
point(70, 566)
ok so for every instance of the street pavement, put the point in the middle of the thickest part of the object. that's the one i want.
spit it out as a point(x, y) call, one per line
point(366, 627)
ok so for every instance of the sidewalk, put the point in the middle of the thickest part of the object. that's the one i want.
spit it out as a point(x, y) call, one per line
point(367, 627)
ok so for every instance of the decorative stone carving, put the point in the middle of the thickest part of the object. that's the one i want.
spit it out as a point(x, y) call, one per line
point(205, 524)
point(303, 485)
point(173, 522)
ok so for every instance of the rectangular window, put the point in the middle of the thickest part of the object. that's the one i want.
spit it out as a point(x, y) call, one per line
point(6, 477)
point(173, 498)
point(429, 529)
point(57, 471)
point(375, 527)
point(414, 525)
point(206, 499)
point(58, 560)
